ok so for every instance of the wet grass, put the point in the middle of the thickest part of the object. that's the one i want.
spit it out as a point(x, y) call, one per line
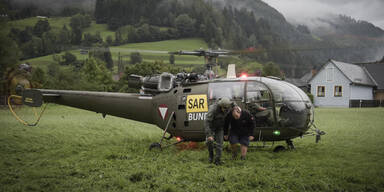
point(76, 150)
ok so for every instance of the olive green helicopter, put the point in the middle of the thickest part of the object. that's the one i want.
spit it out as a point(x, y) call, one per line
point(178, 104)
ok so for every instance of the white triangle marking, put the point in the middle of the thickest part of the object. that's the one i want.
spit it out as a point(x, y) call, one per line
point(163, 111)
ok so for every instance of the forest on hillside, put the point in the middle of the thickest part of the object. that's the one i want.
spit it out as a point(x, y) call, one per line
point(245, 25)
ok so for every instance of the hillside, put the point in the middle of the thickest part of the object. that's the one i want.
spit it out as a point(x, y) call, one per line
point(337, 37)
point(150, 51)
point(57, 23)
point(221, 24)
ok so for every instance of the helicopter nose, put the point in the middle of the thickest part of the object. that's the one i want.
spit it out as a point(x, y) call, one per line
point(295, 114)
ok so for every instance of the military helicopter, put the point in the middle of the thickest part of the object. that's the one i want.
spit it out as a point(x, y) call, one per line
point(178, 104)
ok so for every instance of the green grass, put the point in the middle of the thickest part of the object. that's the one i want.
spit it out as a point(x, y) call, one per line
point(102, 28)
point(125, 50)
point(56, 23)
point(76, 150)
point(163, 46)
point(44, 61)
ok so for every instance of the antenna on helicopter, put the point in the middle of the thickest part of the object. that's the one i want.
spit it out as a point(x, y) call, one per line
point(210, 58)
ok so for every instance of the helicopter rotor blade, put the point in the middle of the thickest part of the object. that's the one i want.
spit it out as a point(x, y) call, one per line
point(125, 50)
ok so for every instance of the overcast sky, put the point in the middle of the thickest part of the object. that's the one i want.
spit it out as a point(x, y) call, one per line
point(302, 10)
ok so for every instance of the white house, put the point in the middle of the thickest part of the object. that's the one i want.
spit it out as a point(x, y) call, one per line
point(337, 83)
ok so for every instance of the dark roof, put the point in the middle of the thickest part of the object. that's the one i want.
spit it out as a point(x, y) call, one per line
point(297, 82)
point(355, 73)
point(306, 77)
point(376, 70)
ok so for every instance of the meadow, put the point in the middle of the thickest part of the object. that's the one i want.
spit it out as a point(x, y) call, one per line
point(77, 150)
point(150, 52)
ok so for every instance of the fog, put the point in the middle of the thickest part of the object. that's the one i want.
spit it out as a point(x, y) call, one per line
point(304, 11)
point(56, 5)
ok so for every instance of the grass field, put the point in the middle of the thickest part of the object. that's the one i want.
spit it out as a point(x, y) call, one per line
point(56, 23)
point(76, 150)
point(150, 51)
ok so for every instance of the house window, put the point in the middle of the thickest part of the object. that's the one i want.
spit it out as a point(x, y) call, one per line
point(330, 74)
point(338, 91)
point(320, 91)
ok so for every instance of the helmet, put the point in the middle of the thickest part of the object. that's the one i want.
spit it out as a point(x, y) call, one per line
point(224, 102)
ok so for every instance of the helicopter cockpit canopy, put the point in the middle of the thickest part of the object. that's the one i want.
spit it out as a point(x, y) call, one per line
point(292, 107)
point(283, 91)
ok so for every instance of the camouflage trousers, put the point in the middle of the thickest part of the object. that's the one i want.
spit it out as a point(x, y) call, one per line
point(217, 143)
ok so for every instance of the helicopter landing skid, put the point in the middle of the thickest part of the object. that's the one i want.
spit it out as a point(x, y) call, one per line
point(281, 148)
point(290, 144)
point(314, 131)
point(158, 145)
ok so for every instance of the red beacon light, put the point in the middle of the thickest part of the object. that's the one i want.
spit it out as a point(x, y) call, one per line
point(243, 76)
point(179, 139)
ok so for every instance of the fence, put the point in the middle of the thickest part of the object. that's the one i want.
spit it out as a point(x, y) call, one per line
point(366, 103)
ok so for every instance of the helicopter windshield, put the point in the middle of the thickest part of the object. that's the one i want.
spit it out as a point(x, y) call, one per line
point(232, 90)
point(292, 105)
point(283, 91)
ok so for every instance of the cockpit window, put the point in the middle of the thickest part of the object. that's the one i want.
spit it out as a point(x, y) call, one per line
point(283, 91)
point(232, 90)
point(257, 92)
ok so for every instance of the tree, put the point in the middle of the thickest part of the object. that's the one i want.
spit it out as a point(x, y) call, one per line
point(33, 48)
point(53, 69)
point(25, 35)
point(271, 69)
point(95, 71)
point(172, 59)
point(76, 36)
point(185, 25)
point(68, 58)
point(64, 38)
point(78, 23)
point(38, 77)
point(136, 58)
point(50, 43)
point(108, 58)
point(109, 40)
point(41, 27)
point(90, 39)
point(104, 54)
point(303, 29)
point(143, 33)
point(9, 57)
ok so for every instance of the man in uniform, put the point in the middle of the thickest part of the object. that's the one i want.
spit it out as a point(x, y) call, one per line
point(242, 125)
point(214, 128)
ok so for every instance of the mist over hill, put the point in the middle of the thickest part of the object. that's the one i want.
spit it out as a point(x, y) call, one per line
point(48, 7)
point(328, 36)
point(294, 45)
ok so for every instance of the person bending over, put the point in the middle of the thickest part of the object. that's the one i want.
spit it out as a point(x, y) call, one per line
point(242, 125)
point(214, 128)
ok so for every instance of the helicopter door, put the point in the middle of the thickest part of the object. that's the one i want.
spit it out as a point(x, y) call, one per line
point(258, 95)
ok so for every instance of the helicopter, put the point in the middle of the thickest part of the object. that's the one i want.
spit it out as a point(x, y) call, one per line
point(178, 104)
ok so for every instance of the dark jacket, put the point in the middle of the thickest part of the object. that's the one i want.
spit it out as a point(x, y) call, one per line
point(214, 120)
point(243, 126)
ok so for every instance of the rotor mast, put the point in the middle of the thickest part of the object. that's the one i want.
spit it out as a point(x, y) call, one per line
point(210, 58)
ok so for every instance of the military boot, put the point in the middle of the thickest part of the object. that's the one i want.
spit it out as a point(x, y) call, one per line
point(211, 154)
point(218, 162)
point(211, 157)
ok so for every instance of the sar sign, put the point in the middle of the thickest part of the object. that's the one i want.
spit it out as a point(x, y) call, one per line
point(197, 107)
